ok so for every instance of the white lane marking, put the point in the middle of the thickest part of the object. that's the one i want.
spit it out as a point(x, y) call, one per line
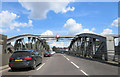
point(64, 56)
point(41, 66)
point(75, 65)
point(4, 70)
point(84, 72)
point(67, 59)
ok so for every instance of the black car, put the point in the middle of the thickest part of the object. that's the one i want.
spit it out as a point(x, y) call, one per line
point(24, 59)
point(47, 54)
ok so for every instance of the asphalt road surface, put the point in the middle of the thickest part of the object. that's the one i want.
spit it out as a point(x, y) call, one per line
point(62, 64)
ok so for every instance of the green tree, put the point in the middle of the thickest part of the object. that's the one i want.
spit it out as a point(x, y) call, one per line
point(54, 48)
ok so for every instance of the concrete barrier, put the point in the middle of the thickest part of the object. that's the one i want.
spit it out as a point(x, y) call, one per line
point(4, 59)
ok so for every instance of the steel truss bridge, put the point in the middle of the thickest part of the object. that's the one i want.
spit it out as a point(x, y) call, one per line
point(95, 46)
point(85, 44)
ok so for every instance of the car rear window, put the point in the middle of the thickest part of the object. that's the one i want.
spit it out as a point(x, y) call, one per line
point(20, 53)
point(47, 52)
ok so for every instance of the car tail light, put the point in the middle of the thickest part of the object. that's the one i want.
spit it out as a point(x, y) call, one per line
point(26, 63)
point(11, 58)
point(28, 58)
point(10, 64)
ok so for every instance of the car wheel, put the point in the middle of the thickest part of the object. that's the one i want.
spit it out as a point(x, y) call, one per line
point(34, 65)
point(13, 69)
point(41, 61)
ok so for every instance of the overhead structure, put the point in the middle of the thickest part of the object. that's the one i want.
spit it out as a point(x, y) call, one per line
point(57, 36)
point(85, 44)
point(94, 46)
point(25, 42)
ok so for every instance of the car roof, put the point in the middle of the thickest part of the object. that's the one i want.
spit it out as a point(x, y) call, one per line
point(24, 50)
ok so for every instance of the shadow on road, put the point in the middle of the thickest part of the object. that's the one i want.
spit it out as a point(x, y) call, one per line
point(20, 70)
point(102, 61)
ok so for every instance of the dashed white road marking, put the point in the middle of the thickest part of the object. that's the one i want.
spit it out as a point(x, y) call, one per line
point(41, 66)
point(75, 65)
point(64, 56)
point(84, 72)
point(67, 59)
point(72, 62)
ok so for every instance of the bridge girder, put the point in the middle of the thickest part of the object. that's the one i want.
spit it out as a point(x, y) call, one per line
point(92, 45)
point(87, 43)
point(34, 42)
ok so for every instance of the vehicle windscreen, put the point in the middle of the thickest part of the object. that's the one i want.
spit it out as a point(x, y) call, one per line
point(20, 54)
point(47, 52)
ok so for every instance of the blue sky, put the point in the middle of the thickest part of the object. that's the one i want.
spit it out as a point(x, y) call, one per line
point(94, 17)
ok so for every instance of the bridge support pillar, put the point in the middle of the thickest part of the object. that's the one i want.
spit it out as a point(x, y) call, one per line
point(78, 46)
point(33, 43)
point(19, 44)
point(22, 40)
point(40, 45)
point(94, 46)
point(36, 45)
point(29, 43)
point(82, 46)
point(85, 46)
point(110, 47)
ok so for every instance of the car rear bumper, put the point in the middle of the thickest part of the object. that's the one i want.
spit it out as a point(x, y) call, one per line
point(20, 64)
point(47, 55)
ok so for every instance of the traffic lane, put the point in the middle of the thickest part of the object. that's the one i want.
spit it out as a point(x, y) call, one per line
point(58, 65)
point(93, 67)
point(22, 71)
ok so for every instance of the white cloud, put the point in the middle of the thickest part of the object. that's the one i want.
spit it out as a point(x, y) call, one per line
point(93, 29)
point(59, 44)
point(63, 0)
point(8, 21)
point(107, 31)
point(116, 22)
point(18, 30)
point(48, 32)
point(76, 28)
point(86, 31)
point(68, 9)
point(16, 24)
point(39, 10)
point(3, 30)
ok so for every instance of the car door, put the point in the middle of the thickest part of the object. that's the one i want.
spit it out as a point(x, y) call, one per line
point(40, 57)
point(37, 57)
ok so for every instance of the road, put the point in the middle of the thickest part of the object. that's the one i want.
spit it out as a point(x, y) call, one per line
point(62, 64)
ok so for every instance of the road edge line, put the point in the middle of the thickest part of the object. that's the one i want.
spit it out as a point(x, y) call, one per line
point(66, 58)
point(84, 72)
point(40, 66)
